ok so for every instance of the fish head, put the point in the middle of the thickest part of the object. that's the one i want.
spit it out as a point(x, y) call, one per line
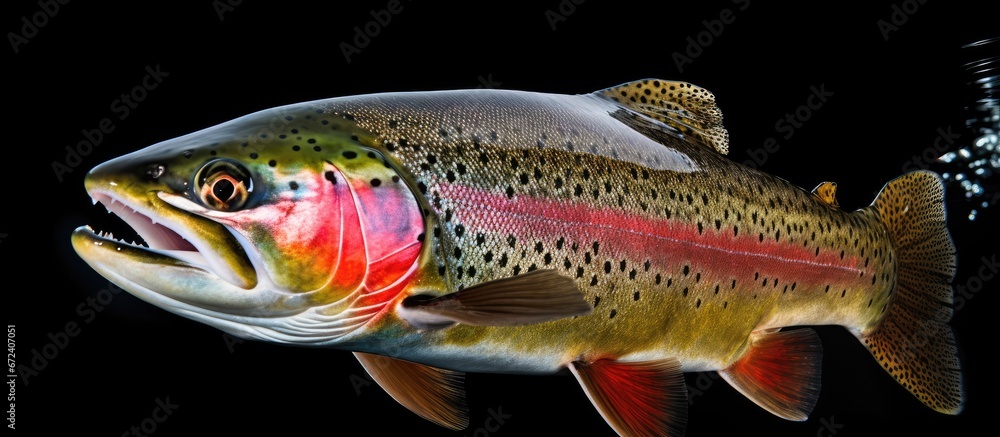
point(286, 225)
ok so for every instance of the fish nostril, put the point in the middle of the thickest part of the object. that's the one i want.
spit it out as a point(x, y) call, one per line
point(155, 170)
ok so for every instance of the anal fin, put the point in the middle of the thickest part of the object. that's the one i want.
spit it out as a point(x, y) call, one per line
point(432, 393)
point(780, 372)
point(533, 297)
point(643, 398)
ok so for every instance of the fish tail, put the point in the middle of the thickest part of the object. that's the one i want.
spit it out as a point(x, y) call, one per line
point(913, 341)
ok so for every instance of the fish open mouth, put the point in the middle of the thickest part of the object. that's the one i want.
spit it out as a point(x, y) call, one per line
point(151, 235)
point(167, 237)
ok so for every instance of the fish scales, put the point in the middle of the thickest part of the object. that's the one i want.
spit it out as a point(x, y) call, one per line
point(546, 189)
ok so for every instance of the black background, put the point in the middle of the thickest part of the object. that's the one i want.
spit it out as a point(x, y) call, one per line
point(889, 99)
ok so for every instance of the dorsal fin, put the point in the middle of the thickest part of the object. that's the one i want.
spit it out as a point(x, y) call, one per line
point(827, 193)
point(686, 107)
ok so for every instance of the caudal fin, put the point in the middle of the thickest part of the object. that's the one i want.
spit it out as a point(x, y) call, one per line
point(913, 342)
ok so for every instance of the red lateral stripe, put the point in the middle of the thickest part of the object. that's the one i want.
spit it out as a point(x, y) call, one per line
point(667, 241)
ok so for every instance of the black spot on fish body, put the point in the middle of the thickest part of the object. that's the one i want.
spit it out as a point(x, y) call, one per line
point(330, 176)
point(613, 313)
point(293, 185)
point(593, 280)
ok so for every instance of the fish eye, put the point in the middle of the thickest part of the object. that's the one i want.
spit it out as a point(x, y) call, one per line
point(223, 185)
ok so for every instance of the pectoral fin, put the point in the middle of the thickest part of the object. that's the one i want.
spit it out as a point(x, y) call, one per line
point(780, 372)
point(533, 297)
point(643, 398)
point(432, 393)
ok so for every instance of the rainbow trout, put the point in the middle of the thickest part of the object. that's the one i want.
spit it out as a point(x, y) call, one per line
point(437, 233)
